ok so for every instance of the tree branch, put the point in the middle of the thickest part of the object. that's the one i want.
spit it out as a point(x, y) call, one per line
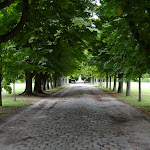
point(136, 35)
point(19, 27)
point(5, 3)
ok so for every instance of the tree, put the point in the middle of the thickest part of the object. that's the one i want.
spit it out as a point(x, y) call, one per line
point(18, 26)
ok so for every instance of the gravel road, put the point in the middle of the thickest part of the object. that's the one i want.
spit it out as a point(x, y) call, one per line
point(78, 117)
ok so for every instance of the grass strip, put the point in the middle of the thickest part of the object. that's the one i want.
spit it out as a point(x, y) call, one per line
point(144, 105)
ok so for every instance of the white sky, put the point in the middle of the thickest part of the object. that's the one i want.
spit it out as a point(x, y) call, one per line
point(98, 3)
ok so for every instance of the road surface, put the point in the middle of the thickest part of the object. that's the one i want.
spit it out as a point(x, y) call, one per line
point(78, 117)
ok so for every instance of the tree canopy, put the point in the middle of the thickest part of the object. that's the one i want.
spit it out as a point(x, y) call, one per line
point(56, 38)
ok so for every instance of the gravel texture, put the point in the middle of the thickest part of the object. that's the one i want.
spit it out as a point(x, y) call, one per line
point(78, 117)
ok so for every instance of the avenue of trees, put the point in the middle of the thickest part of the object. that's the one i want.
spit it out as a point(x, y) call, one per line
point(41, 40)
point(121, 48)
point(49, 40)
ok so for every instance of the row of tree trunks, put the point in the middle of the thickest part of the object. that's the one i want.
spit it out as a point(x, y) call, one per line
point(44, 80)
point(115, 83)
point(47, 83)
point(128, 88)
point(106, 81)
point(28, 78)
point(140, 97)
point(51, 82)
point(41, 82)
point(120, 86)
point(110, 83)
point(38, 84)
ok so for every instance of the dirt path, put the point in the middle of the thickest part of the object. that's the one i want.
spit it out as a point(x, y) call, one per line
point(77, 117)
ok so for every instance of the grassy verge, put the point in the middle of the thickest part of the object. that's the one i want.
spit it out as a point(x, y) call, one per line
point(144, 105)
point(9, 105)
point(15, 103)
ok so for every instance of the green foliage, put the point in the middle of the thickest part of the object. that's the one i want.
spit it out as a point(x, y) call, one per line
point(120, 47)
point(51, 40)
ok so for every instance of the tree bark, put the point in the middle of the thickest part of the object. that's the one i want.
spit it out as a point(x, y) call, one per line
point(14, 92)
point(115, 81)
point(140, 89)
point(107, 81)
point(44, 81)
point(90, 79)
point(58, 81)
point(120, 88)
point(6, 3)
point(19, 27)
point(100, 81)
point(128, 88)
point(110, 83)
point(37, 87)
point(28, 89)
point(54, 81)
point(134, 30)
point(47, 83)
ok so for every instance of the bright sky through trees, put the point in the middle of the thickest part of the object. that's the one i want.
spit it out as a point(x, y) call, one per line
point(98, 4)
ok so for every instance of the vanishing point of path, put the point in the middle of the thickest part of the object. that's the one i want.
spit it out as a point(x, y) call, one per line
point(79, 117)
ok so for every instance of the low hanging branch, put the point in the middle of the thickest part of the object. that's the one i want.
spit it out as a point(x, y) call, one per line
point(19, 27)
point(5, 3)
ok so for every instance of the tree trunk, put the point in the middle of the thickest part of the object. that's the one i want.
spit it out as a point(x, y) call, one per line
point(44, 82)
point(58, 81)
point(28, 89)
point(140, 89)
point(107, 81)
point(120, 88)
point(110, 83)
point(128, 88)
point(115, 81)
point(100, 82)
point(47, 83)
point(54, 81)
point(19, 26)
point(90, 79)
point(14, 92)
point(37, 87)
point(0, 89)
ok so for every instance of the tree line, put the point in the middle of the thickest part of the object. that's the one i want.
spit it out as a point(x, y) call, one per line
point(47, 40)
point(121, 47)
point(41, 40)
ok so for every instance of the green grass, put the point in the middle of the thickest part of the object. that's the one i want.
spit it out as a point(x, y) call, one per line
point(8, 99)
point(145, 79)
point(10, 106)
point(8, 103)
point(19, 88)
point(144, 105)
